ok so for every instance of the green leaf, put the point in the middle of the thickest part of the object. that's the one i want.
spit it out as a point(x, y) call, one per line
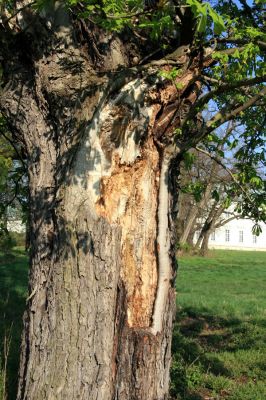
point(218, 21)
point(236, 54)
point(227, 202)
point(202, 23)
point(189, 159)
point(179, 85)
point(256, 180)
point(256, 229)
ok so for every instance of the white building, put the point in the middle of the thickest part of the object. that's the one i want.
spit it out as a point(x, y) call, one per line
point(16, 225)
point(237, 235)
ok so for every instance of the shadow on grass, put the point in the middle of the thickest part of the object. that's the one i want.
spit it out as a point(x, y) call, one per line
point(13, 289)
point(198, 337)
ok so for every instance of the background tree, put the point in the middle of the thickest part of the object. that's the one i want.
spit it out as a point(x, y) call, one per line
point(13, 186)
point(104, 116)
point(211, 180)
point(202, 201)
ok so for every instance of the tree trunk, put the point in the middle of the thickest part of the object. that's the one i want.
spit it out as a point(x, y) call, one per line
point(98, 322)
point(193, 214)
point(102, 199)
point(190, 222)
point(191, 237)
point(95, 279)
point(205, 243)
point(208, 227)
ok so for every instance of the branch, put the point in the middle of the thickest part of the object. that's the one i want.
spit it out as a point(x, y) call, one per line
point(218, 161)
point(224, 222)
point(224, 87)
point(209, 79)
point(6, 20)
point(248, 11)
point(15, 148)
point(15, 195)
point(137, 14)
point(223, 117)
point(234, 40)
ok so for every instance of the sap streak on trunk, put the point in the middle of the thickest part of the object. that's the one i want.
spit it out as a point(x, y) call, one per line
point(165, 272)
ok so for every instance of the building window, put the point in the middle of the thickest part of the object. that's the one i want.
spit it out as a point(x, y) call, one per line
point(227, 235)
point(213, 236)
point(254, 239)
point(241, 236)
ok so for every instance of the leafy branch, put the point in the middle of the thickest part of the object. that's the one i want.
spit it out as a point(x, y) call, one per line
point(223, 87)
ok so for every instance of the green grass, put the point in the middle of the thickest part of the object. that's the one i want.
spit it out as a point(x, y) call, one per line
point(219, 343)
point(13, 289)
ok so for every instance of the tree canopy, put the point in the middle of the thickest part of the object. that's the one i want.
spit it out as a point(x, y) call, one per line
point(227, 39)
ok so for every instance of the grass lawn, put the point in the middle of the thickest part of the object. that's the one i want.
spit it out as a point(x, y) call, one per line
point(219, 343)
point(13, 289)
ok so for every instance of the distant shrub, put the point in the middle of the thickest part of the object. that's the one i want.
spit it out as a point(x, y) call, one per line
point(185, 248)
point(19, 238)
point(7, 242)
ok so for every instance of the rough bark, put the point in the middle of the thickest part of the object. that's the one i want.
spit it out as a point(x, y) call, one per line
point(102, 169)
